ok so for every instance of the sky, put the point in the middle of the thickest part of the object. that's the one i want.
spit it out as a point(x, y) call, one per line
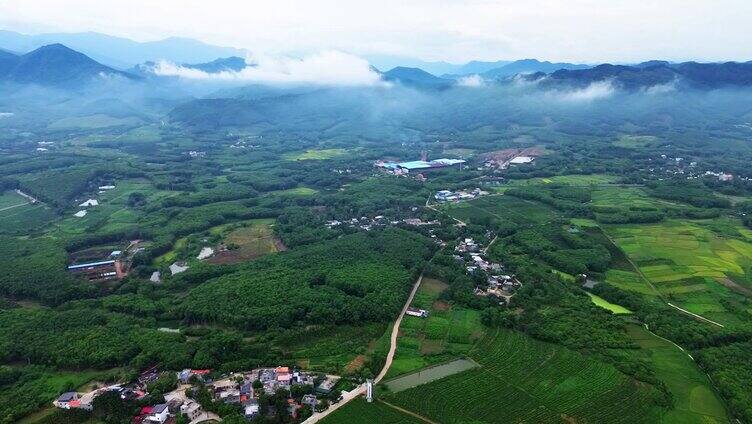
point(455, 31)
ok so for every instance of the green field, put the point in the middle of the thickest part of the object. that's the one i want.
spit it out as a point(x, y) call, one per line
point(572, 180)
point(360, 411)
point(694, 399)
point(315, 154)
point(697, 264)
point(620, 197)
point(17, 215)
point(605, 304)
point(297, 191)
point(519, 211)
point(523, 380)
point(448, 333)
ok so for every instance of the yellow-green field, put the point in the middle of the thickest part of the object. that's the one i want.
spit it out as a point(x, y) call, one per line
point(315, 154)
point(625, 197)
point(297, 191)
point(694, 263)
point(573, 180)
point(605, 304)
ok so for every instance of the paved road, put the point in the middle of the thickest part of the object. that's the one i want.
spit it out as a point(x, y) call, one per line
point(361, 390)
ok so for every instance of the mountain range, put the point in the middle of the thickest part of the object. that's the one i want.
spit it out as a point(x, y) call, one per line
point(60, 66)
point(652, 74)
point(121, 53)
point(54, 65)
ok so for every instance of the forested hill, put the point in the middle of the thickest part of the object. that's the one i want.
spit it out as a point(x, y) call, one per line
point(358, 278)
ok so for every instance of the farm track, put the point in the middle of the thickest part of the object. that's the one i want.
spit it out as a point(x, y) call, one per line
point(14, 206)
point(405, 411)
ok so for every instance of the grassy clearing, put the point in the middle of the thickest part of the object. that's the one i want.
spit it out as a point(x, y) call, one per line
point(360, 411)
point(694, 399)
point(18, 216)
point(536, 382)
point(247, 240)
point(297, 191)
point(315, 154)
point(605, 304)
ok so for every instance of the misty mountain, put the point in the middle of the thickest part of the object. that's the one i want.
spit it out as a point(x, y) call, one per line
point(54, 65)
point(232, 64)
point(121, 53)
point(7, 61)
point(650, 74)
point(528, 66)
point(417, 78)
point(479, 67)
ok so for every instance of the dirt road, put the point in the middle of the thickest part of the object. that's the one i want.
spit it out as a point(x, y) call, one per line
point(361, 390)
point(395, 332)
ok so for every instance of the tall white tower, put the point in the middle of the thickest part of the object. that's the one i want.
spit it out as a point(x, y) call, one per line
point(369, 390)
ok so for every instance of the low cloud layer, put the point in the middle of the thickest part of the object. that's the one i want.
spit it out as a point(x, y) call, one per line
point(471, 81)
point(594, 91)
point(326, 68)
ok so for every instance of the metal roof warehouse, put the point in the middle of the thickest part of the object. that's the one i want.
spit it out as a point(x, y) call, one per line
point(91, 264)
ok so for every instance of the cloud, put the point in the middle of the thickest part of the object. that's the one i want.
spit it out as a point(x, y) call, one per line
point(662, 88)
point(471, 81)
point(325, 68)
point(594, 91)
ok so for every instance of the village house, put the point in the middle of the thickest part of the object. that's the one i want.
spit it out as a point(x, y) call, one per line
point(191, 409)
point(415, 312)
point(68, 400)
point(156, 414)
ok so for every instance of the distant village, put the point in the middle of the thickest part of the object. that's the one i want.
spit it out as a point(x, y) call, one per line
point(315, 393)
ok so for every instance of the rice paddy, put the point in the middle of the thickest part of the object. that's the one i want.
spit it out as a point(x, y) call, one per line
point(695, 263)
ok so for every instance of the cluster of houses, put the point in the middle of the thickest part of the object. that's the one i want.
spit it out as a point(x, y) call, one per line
point(241, 389)
point(366, 223)
point(456, 196)
point(498, 283)
point(85, 401)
